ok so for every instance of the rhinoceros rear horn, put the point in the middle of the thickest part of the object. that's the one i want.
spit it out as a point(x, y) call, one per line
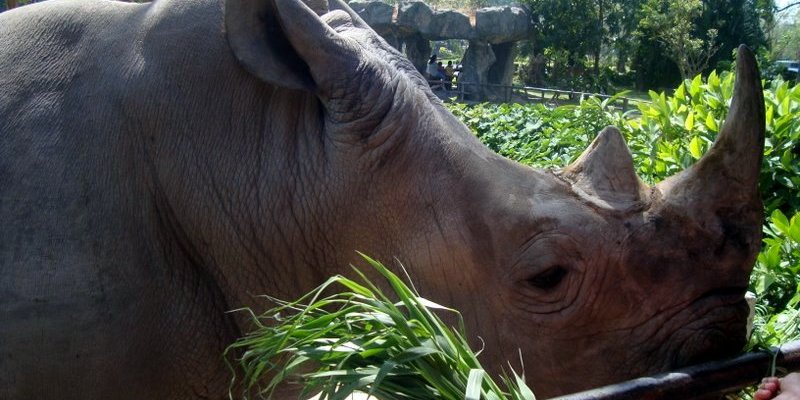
point(605, 174)
point(728, 173)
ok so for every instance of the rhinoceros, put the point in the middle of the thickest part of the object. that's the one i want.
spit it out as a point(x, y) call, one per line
point(164, 163)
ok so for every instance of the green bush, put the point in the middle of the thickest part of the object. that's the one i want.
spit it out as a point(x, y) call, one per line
point(533, 134)
point(775, 279)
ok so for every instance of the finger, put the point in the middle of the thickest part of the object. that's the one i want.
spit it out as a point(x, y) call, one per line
point(763, 394)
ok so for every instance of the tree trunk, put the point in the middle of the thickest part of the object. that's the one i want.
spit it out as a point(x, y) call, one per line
point(597, 63)
point(11, 4)
point(599, 38)
point(622, 61)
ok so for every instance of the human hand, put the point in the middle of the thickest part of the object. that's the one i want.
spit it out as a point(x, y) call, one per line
point(786, 388)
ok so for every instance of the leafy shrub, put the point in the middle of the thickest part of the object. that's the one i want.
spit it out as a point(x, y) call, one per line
point(775, 277)
point(780, 179)
point(683, 127)
point(534, 134)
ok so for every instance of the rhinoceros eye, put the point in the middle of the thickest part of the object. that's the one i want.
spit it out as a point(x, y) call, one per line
point(548, 279)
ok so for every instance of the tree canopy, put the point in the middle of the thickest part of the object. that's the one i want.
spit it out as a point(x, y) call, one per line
point(693, 35)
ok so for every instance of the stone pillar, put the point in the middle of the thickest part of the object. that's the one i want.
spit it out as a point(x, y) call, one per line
point(478, 58)
point(413, 18)
point(418, 50)
point(378, 15)
point(502, 71)
point(393, 40)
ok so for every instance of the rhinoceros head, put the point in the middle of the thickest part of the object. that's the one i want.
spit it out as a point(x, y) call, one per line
point(629, 279)
point(590, 274)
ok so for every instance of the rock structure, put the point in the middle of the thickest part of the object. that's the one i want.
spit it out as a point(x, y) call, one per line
point(492, 35)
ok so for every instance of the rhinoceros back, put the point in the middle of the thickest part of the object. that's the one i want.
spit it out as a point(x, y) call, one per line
point(85, 297)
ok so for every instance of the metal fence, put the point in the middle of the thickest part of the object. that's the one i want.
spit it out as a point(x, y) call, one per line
point(474, 92)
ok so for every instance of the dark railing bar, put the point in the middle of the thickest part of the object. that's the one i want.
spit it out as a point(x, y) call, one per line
point(699, 381)
point(508, 90)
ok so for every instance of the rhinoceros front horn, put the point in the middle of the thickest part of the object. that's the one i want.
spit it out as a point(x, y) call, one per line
point(727, 175)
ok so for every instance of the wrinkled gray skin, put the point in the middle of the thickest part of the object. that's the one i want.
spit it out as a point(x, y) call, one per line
point(163, 163)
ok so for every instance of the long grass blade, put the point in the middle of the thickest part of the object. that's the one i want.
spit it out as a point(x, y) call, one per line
point(474, 381)
point(358, 339)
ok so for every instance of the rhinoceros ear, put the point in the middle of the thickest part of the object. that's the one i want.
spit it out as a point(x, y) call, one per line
point(285, 43)
point(605, 172)
point(354, 17)
point(258, 40)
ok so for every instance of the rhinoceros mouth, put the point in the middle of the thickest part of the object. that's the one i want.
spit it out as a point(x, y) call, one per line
point(720, 330)
point(726, 295)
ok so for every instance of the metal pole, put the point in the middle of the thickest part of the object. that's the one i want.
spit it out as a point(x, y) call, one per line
point(699, 381)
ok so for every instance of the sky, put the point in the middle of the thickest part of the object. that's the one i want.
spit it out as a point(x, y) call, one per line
point(788, 14)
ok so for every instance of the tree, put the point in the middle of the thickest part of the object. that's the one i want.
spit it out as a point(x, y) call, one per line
point(786, 40)
point(564, 25)
point(788, 6)
point(736, 22)
point(564, 32)
point(621, 24)
point(733, 21)
point(582, 32)
point(672, 22)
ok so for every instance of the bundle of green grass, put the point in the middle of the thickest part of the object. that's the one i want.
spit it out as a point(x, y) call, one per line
point(359, 340)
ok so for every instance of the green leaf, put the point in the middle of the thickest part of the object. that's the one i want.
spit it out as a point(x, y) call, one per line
point(429, 304)
point(689, 123)
point(794, 229)
point(414, 353)
point(681, 91)
point(773, 256)
point(473, 391)
point(780, 222)
point(525, 391)
point(781, 92)
point(764, 283)
point(769, 114)
point(385, 369)
point(696, 148)
point(786, 106)
point(711, 123)
point(713, 80)
point(787, 159)
point(713, 102)
point(696, 86)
